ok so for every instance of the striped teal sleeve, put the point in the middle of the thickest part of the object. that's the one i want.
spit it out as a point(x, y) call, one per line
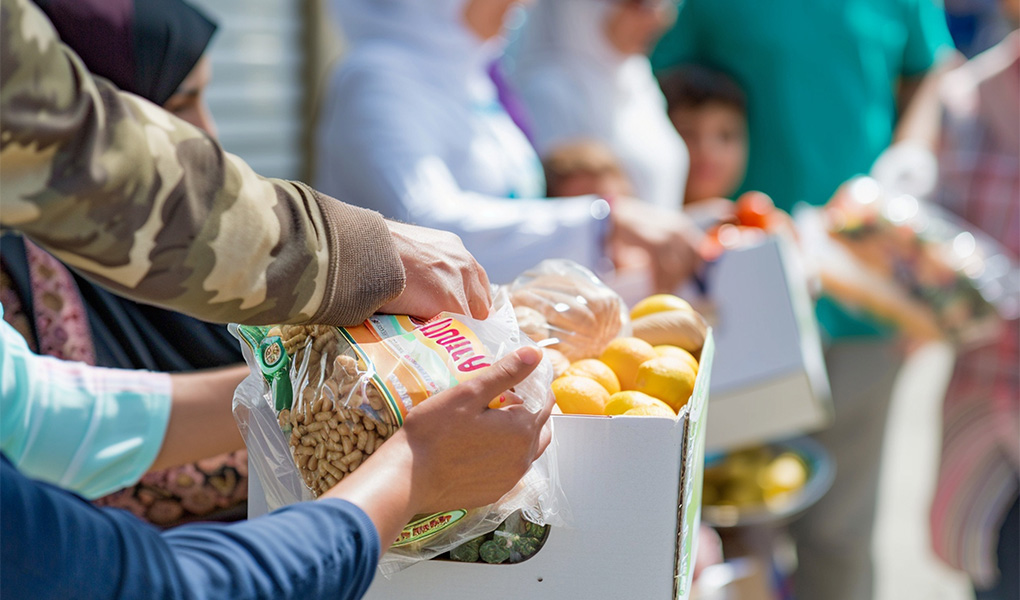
point(88, 429)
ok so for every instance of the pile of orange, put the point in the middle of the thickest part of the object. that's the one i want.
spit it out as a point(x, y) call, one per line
point(631, 377)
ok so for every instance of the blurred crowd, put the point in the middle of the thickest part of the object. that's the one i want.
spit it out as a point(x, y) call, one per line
point(610, 132)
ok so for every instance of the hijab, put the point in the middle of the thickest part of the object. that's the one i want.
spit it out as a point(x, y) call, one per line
point(147, 47)
point(576, 85)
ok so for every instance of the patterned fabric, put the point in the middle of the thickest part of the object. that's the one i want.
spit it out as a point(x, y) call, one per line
point(61, 323)
point(113, 186)
point(188, 493)
point(14, 312)
point(979, 165)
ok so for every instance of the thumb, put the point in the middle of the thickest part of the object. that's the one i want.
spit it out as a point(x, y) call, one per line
point(502, 375)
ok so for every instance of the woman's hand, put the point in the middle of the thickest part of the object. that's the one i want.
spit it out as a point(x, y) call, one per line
point(453, 451)
point(440, 274)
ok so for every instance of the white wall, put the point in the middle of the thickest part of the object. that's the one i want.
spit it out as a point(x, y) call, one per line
point(257, 91)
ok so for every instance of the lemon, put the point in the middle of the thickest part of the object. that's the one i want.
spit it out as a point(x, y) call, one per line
point(652, 410)
point(785, 473)
point(623, 402)
point(658, 303)
point(595, 369)
point(667, 378)
point(677, 351)
point(580, 395)
point(624, 356)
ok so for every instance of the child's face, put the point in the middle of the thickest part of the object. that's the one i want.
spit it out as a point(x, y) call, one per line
point(716, 137)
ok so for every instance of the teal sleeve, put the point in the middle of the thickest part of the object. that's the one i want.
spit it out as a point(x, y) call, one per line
point(927, 36)
point(680, 44)
point(88, 429)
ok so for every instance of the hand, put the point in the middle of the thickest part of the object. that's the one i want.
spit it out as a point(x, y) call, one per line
point(453, 451)
point(670, 239)
point(907, 168)
point(440, 274)
point(468, 455)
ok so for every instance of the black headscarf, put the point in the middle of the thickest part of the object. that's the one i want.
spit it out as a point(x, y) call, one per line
point(146, 47)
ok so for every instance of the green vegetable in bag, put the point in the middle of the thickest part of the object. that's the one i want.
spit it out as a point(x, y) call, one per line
point(468, 551)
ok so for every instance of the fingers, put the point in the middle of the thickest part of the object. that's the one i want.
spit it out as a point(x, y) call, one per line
point(479, 295)
point(507, 372)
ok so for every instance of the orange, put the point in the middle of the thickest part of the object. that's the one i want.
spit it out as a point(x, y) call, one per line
point(658, 303)
point(677, 351)
point(667, 378)
point(595, 369)
point(623, 402)
point(580, 395)
point(624, 356)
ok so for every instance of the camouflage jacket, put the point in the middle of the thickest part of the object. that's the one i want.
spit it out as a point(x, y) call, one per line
point(152, 208)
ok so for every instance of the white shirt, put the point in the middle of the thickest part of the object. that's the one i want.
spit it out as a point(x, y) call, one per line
point(576, 86)
point(411, 127)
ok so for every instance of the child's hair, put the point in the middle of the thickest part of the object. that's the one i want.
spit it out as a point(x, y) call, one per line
point(579, 157)
point(694, 86)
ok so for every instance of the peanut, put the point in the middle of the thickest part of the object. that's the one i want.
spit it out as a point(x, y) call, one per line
point(338, 418)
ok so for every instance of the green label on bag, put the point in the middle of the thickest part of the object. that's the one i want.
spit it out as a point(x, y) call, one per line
point(425, 528)
point(272, 360)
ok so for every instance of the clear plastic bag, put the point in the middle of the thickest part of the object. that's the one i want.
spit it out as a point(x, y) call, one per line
point(321, 399)
point(565, 307)
point(912, 263)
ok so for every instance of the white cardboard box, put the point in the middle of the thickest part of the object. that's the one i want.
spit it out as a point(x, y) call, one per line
point(769, 380)
point(634, 488)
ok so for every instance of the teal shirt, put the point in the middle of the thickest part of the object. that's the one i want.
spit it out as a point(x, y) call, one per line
point(88, 429)
point(820, 78)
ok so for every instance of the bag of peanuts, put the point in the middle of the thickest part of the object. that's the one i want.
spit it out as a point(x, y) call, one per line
point(321, 399)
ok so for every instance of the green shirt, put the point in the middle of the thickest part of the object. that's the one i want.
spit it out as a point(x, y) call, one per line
point(821, 79)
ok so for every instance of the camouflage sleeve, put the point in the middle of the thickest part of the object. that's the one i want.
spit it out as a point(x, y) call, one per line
point(154, 209)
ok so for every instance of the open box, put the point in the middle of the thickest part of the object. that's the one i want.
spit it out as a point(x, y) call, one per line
point(633, 485)
point(769, 380)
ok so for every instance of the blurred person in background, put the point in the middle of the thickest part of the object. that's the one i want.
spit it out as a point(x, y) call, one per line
point(582, 71)
point(834, 89)
point(975, 514)
point(411, 127)
point(152, 48)
point(585, 167)
point(709, 111)
point(94, 175)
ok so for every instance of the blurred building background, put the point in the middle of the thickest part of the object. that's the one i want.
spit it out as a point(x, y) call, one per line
point(269, 60)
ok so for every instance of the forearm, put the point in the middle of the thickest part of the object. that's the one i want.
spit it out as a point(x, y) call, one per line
point(152, 208)
point(201, 418)
point(87, 429)
point(918, 104)
point(57, 546)
point(508, 237)
point(383, 490)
